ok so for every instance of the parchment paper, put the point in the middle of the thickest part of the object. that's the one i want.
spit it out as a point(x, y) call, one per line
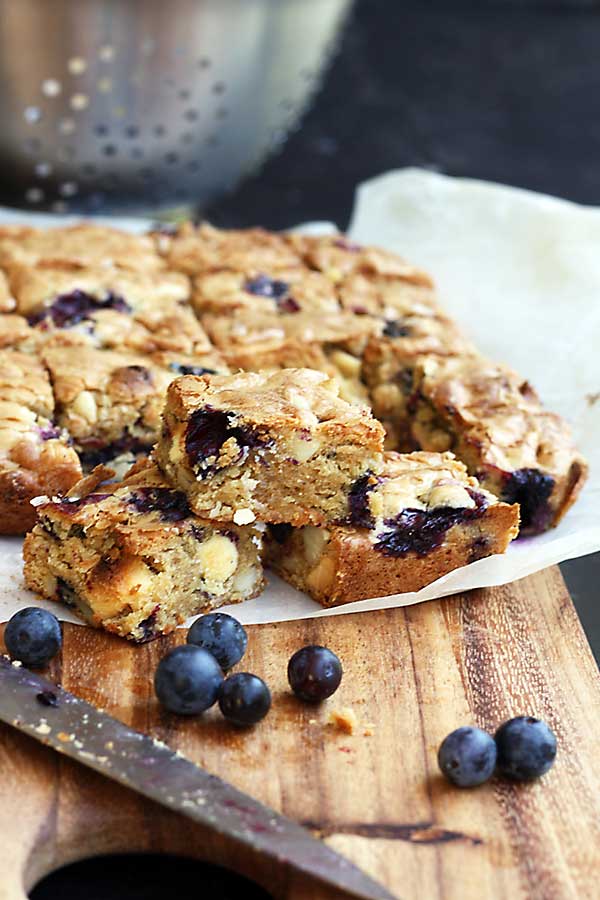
point(521, 273)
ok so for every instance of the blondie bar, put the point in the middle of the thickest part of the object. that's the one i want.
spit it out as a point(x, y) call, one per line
point(85, 245)
point(338, 258)
point(275, 447)
point(332, 343)
point(132, 558)
point(108, 401)
point(108, 307)
point(197, 249)
point(285, 291)
point(494, 421)
point(35, 455)
point(419, 519)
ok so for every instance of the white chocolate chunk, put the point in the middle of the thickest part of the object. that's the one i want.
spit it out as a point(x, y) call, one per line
point(218, 557)
point(314, 540)
point(302, 449)
point(243, 516)
point(84, 405)
point(452, 495)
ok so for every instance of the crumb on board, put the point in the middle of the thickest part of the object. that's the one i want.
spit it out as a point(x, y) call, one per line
point(343, 719)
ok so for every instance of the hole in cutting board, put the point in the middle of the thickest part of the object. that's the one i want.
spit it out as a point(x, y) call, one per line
point(140, 876)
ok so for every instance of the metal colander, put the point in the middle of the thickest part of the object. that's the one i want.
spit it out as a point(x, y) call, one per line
point(139, 105)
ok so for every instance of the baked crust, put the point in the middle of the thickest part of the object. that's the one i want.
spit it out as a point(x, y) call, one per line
point(287, 291)
point(195, 250)
point(85, 244)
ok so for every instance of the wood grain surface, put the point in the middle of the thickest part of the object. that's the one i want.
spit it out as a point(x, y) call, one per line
point(410, 675)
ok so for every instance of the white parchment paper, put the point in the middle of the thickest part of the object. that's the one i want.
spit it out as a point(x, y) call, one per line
point(521, 273)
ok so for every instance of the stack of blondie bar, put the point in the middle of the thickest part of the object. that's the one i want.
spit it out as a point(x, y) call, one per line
point(285, 362)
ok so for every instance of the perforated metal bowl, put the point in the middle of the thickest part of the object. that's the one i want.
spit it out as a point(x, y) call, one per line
point(137, 105)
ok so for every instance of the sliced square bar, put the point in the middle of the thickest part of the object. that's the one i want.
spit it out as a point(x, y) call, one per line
point(131, 557)
point(419, 519)
point(495, 423)
point(276, 447)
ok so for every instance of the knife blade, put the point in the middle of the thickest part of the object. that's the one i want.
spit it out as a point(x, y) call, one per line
point(58, 719)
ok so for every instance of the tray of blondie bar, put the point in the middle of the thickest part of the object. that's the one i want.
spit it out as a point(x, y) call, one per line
point(315, 392)
point(189, 413)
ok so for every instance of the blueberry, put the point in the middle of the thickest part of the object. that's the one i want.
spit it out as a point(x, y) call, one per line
point(33, 636)
point(314, 673)
point(244, 699)
point(172, 505)
point(394, 329)
point(358, 502)
point(78, 306)
point(467, 757)
point(221, 635)
point(531, 489)
point(187, 680)
point(183, 369)
point(526, 748)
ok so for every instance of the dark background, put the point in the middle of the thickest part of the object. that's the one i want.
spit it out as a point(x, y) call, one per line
point(506, 91)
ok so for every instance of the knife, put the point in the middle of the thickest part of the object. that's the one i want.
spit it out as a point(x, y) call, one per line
point(84, 733)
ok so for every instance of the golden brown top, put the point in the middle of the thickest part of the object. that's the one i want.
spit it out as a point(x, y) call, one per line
point(37, 286)
point(423, 481)
point(285, 291)
point(266, 331)
point(288, 399)
point(337, 257)
point(195, 250)
point(498, 412)
point(85, 244)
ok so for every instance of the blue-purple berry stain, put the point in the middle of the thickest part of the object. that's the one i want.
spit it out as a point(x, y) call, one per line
point(207, 431)
point(275, 290)
point(78, 306)
point(531, 489)
point(171, 505)
point(420, 530)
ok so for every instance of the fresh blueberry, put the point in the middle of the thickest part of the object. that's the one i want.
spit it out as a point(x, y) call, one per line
point(244, 699)
point(467, 757)
point(526, 748)
point(187, 680)
point(33, 636)
point(314, 673)
point(221, 635)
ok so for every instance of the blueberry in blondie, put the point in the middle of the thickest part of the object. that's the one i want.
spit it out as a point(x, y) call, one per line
point(421, 517)
point(132, 558)
point(285, 291)
point(275, 447)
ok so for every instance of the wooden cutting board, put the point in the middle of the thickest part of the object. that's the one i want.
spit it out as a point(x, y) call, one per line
point(411, 676)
